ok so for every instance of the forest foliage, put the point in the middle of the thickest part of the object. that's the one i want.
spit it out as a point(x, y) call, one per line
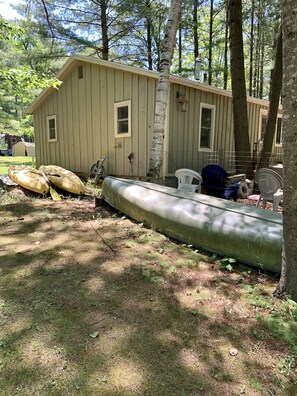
point(34, 46)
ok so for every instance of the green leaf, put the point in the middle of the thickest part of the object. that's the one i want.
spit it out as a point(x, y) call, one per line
point(292, 302)
point(94, 334)
point(225, 266)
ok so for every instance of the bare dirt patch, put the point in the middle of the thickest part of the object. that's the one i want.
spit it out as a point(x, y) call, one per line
point(92, 303)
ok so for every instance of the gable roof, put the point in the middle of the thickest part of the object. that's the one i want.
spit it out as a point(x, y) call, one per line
point(26, 144)
point(73, 61)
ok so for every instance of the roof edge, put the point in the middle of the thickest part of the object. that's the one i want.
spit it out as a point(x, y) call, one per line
point(70, 64)
point(76, 59)
point(210, 88)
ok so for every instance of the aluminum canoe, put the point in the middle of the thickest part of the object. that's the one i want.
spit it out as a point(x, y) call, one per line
point(230, 229)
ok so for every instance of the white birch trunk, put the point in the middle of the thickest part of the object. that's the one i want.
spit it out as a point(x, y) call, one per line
point(168, 45)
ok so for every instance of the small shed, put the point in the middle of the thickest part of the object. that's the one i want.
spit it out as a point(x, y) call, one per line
point(23, 149)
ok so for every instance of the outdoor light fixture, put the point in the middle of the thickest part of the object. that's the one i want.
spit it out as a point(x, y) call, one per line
point(182, 100)
point(197, 68)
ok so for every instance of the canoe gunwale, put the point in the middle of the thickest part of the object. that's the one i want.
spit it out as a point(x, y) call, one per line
point(211, 224)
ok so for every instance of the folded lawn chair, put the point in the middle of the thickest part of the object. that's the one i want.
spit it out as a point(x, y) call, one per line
point(214, 182)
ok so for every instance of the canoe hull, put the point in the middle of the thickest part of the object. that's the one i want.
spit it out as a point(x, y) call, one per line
point(251, 235)
point(29, 178)
point(63, 179)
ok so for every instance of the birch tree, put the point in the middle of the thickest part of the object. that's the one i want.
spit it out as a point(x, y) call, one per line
point(168, 45)
point(288, 279)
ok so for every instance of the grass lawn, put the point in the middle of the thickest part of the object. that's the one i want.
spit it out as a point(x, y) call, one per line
point(7, 161)
point(92, 303)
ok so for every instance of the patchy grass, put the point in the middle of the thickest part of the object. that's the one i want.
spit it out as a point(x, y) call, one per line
point(92, 303)
point(6, 162)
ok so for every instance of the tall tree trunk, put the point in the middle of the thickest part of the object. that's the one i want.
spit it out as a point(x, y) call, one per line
point(226, 54)
point(251, 49)
point(149, 35)
point(257, 60)
point(180, 52)
point(195, 28)
point(262, 57)
point(104, 30)
point(210, 43)
point(168, 45)
point(159, 42)
point(274, 96)
point(240, 118)
point(288, 280)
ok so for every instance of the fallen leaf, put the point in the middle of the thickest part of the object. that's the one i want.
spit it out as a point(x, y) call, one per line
point(233, 351)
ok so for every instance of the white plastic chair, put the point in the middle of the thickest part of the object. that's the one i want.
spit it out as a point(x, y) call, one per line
point(270, 185)
point(185, 178)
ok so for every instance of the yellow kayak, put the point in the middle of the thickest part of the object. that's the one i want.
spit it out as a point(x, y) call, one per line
point(63, 179)
point(29, 178)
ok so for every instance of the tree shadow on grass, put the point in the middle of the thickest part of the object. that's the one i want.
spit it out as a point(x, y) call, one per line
point(85, 311)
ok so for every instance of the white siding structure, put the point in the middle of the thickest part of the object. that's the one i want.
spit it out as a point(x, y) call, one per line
point(107, 109)
point(23, 149)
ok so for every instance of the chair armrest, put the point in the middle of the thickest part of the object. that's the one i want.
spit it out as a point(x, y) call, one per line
point(233, 186)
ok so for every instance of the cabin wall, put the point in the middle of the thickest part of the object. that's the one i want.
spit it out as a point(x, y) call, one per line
point(84, 110)
point(183, 151)
point(184, 128)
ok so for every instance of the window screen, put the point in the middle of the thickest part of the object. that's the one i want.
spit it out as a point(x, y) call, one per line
point(206, 128)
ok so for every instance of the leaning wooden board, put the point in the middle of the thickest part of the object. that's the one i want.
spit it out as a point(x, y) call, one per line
point(29, 178)
point(63, 178)
point(251, 235)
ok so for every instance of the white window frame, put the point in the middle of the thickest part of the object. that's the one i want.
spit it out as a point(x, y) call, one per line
point(48, 119)
point(213, 109)
point(116, 120)
point(281, 133)
point(264, 112)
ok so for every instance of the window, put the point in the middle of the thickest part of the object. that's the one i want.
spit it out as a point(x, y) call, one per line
point(52, 128)
point(278, 127)
point(263, 125)
point(80, 72)
point(122, 119)
point(206, 133)
point(278, 135)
